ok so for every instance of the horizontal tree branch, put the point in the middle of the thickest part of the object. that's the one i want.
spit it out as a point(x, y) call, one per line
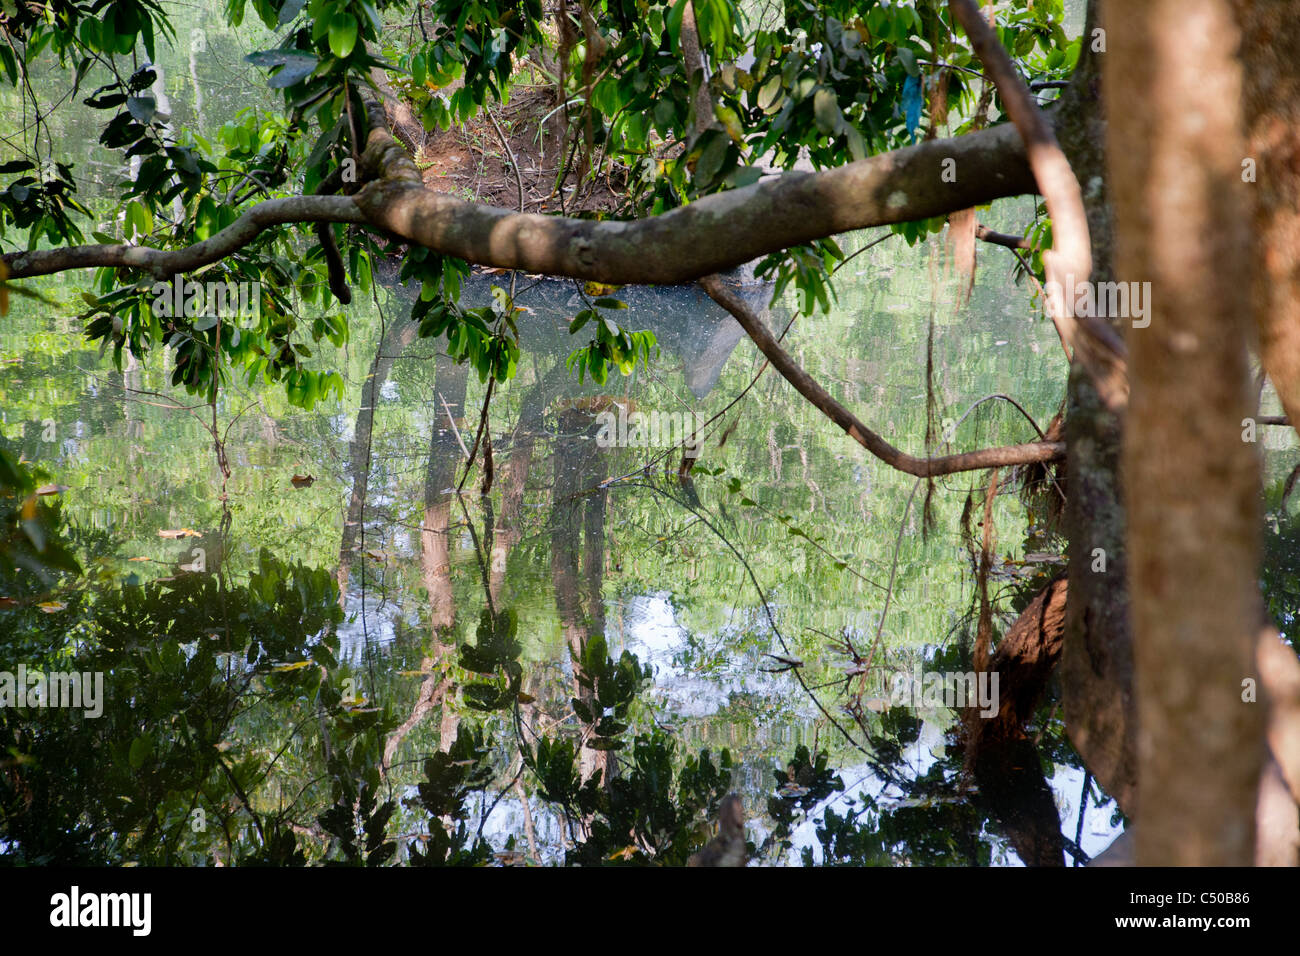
point(985, 234)
point(809, 388)
point(716, 232)
point(164, 263)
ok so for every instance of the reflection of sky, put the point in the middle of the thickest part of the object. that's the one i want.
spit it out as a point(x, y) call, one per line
point(1067, 788)
point(651, 632)
point(1066, 785)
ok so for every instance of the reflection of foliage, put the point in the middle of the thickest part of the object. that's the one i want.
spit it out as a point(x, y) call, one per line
point(610, 690)
point(174, 697)
point(643, 817)
point(800, 788)
point(497, 649)
point(28, 537)
point(450, 778)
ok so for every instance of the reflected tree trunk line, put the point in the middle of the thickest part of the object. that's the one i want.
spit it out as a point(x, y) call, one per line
point(518, 462)
point(130, 382)
point(1270, 53)
point(395, 339)
point(435, 553)
point(435, 534)
point(1005, 762)
point(578, 548)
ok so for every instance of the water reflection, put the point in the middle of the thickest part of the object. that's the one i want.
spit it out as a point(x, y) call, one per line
point(578, 666)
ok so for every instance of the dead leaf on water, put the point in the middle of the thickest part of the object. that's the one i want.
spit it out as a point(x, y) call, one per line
point(302, 481)
point(179, 533)
point(51, 607)
point(51, 489)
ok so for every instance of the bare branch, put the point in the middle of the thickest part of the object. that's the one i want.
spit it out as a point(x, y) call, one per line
point(810, 389)
point(985, 234)
point(1070, 260)
point(717, 232)
point(164, 263)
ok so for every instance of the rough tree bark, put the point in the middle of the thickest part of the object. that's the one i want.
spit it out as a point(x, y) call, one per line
point(1191, 483)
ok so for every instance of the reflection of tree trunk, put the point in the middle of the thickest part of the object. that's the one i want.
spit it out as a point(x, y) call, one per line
point(1191, 483)
point(397, 338)
point(578, 508)
point(435, 535)
point(1270, 55)
point(1013, 790)
point(134, 430)
point(1006, 764)
point(514, 475)
point(435, 554)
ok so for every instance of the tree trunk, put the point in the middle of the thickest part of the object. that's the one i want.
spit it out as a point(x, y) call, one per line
point(1097, 657)
point(1191, 484)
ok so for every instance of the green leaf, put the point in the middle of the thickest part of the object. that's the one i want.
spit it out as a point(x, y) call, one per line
point(142, 108)
point(295, 66)
point(581, 319)
point(343, 34)
point(826, 111)
point(711, 159)
point(290, 10)
point(675, 17)
point(770, 95)
point(141, 748)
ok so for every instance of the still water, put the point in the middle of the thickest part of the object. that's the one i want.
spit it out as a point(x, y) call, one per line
point(343, 524)
point(345, 650)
